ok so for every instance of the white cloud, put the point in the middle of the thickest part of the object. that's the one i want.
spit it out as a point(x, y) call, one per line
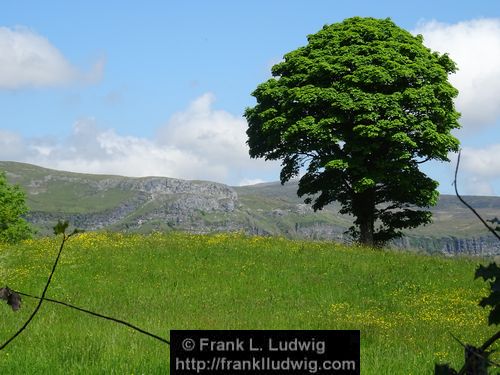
point(205, 132)
point(11, 146)
point(198, 143)
point(475, 46)
point(484, 162)
point(28, 59)
point(479, 170)
point(476, 186)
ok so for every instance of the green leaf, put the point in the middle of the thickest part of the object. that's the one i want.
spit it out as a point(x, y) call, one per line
point(491, 271)
point(337, 164)
point(60, 227)
point(13, 228)
point(363, 184)
point(76, 231)
point(495, 221)
point(492, 300)
point(494, 317)
point(13, 299)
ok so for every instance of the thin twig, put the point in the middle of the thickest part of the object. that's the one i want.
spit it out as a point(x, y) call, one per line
point(496, 336)
point(65, 238)
point(98, 315)
point(468, 205)
point(482, 349)
point(490, 341)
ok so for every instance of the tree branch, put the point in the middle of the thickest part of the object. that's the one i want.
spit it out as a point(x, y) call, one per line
point(496, 336)
point(423, 161)
point(119, 321)
point(468, 205)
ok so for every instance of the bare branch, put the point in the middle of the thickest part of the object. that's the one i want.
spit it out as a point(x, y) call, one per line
point(468, 205)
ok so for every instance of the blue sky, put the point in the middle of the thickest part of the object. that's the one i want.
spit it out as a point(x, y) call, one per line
point(159, 87)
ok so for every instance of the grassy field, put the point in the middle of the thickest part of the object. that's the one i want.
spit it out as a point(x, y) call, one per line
point(406, 305)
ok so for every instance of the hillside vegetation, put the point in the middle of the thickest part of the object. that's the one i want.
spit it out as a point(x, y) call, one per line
point(151, 204)
point(406, 305)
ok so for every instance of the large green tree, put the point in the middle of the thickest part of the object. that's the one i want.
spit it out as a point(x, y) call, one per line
point(360, 107)
point(13, 227)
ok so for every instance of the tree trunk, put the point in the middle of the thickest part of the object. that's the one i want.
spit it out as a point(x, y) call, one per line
point(364, 211)
point(366, 231)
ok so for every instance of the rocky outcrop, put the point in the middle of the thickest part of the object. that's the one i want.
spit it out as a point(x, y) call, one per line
point(483, 245)
point(167, 199)
point(486, 245)
point(92, 202)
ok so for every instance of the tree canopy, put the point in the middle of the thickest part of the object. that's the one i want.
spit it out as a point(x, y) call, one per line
point(359, 107)
point(13, 227)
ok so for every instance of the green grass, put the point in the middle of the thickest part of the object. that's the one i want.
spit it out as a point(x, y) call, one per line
point(74, 198)
point(406, 305)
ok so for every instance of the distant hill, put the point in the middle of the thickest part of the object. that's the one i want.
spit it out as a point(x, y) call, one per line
point(119, 203)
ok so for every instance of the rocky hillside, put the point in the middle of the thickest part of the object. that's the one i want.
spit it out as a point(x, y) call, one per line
point(94, 202)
